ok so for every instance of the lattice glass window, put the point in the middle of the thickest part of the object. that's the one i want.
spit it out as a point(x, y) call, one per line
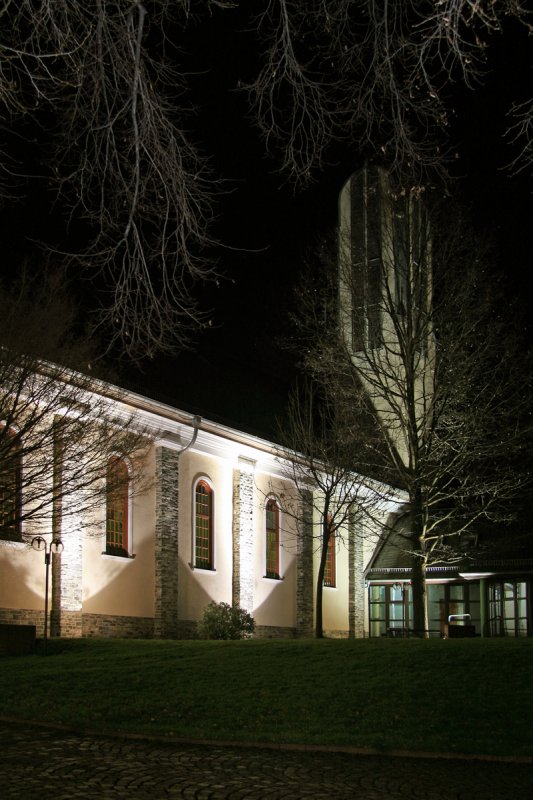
point(330, 577)
point(117, 502)
point(272, 539)
point(203, 540)
point(508, 608)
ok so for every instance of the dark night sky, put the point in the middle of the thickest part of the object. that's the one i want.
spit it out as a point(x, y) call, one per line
point(237, 371)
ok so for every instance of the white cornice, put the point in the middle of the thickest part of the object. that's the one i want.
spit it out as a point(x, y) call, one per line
point(174, 428)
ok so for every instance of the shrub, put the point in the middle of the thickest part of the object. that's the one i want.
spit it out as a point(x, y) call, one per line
point(222, 621)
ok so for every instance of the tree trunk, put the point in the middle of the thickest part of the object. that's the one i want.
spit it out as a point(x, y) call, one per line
point(319, 625)
point(418, 571)
point(418, 586)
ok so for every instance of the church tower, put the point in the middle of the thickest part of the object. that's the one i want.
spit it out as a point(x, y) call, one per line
point(385, 298)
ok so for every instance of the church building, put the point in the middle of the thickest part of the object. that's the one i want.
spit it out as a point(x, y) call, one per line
point(208, 525)
point(209, 513)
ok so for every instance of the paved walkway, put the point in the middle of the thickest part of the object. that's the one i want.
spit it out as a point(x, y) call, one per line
point(41, 763)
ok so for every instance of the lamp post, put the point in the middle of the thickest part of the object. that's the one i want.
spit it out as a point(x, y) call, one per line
point(55, 546)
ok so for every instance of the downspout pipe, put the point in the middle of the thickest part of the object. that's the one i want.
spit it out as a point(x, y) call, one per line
point(196, 422)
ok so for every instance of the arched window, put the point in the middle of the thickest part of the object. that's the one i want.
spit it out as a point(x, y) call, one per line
point(117, 506)
point(203, 526)
point(272, 539)
point(330, 577)
point(10, 485)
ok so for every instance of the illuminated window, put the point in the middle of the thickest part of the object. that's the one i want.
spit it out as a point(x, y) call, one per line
point(390, 609)
point(203, 529)
point(272, 539)
point(330, 577)
point(508, 608)
point(10, 485)
point(456, 599)
point(117, 506)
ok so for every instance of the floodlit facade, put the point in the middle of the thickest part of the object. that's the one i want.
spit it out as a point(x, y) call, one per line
point(210, 524)
point(210, 513)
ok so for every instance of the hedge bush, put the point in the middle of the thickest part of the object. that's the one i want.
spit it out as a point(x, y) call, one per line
point(222, 621)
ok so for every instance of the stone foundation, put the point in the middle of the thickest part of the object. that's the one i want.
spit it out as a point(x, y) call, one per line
point(106, 626)
point(274, 632)
point(187, 629)
point(336, 634)
point(23, 616)
point(67, 624)
point(115, 627)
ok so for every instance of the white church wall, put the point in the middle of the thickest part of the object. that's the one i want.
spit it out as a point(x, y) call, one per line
point(199, 587)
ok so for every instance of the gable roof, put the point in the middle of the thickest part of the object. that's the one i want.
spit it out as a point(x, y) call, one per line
point(392, 559)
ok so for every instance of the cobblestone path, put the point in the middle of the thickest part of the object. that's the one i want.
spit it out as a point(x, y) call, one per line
point(38, 763)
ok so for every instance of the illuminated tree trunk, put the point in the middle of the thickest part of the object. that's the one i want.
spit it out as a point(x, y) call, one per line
point(418, 569)
point(319, 623)
point(418, 586)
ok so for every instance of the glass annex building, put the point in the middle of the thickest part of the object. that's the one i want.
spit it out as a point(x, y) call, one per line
point(507, 602)
point(492, 596)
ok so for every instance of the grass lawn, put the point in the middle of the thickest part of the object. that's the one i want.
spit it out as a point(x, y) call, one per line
point(464, 695)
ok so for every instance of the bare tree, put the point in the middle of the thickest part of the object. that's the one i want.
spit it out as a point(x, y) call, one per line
point(418, 339)
point(374, 73)
point(59, 428)
point(329, 493)
point(102, 88)
point(520, 133)
point(120, 155)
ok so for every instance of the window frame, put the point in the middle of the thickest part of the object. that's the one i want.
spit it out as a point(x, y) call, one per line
point(509, 607)
point(330, 567)
point(457, 597)
point(390, 606)
point(273, 574)
point(12, 531)
point(112, 548)
point(208, 564)
point(395, 601)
